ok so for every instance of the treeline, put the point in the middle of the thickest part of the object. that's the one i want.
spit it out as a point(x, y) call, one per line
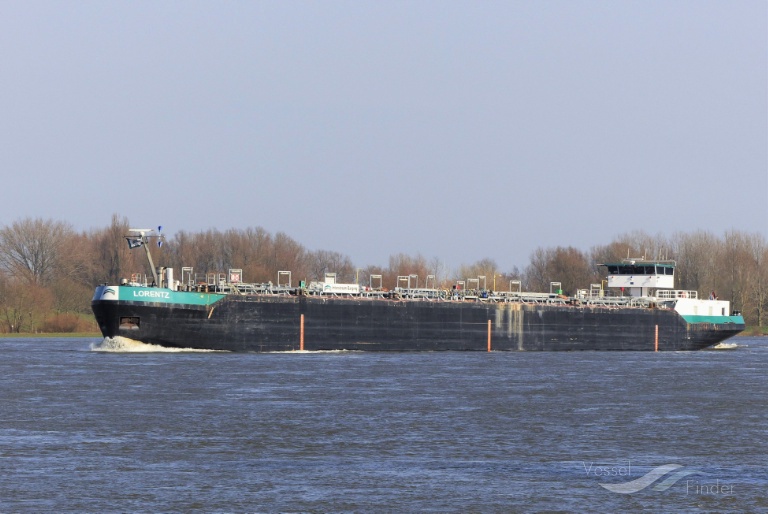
point(48, 269)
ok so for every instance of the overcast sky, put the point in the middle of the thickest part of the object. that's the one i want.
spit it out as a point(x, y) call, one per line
point(457, 130)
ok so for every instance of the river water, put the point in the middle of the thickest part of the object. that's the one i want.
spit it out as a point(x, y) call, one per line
point(85, 427)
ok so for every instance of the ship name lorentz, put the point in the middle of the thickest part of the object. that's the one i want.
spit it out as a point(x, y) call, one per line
point(153, 294)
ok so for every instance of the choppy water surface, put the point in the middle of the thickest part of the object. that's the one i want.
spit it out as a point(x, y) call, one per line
point(148, 431)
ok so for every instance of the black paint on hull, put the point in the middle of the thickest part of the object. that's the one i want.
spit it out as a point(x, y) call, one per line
point(272, 323)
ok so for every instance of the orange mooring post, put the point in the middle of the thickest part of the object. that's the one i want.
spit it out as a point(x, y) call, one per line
point(489, 335)
point(301, 334)
point(656, 345)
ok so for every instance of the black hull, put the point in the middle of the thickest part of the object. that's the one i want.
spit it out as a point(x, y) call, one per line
point(273, 323)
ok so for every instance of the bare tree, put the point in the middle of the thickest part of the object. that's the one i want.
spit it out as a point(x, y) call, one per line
point(110, 251)
point(323, 261)
point(569, 266)
point(23, 305)
point(442, 273)
point(696, 257)
point(402, 265)
point(734, 264)
point(249, 250)
point(757, 284)
point(70, 296)
point(639, 244)
point(484, 270)
point(31, 248)
point(288, 255)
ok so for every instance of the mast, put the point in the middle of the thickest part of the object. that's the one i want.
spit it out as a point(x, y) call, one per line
point(143, 240)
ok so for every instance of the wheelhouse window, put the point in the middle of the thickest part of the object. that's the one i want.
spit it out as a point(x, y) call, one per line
point(639, 269)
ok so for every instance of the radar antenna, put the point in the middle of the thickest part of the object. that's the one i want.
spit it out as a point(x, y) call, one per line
point(143, 240)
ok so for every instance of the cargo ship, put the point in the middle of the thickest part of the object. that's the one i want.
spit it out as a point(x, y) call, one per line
point(639, 309)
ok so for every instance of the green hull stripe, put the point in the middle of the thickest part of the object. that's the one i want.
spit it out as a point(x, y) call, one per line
point(155, 295)
point(738, 320)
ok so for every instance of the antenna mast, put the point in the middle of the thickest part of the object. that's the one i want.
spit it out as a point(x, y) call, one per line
point(145, 243)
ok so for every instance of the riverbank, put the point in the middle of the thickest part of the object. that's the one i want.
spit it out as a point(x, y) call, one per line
point(754, 331)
